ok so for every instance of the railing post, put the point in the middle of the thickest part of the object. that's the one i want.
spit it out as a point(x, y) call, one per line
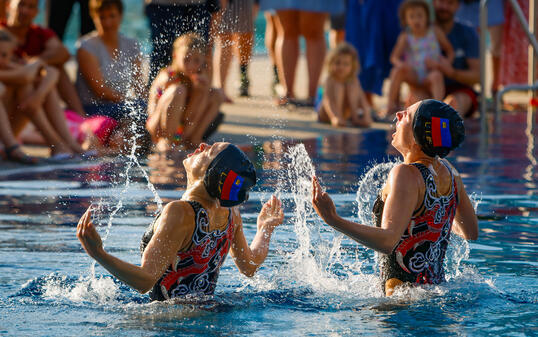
point(532, 57)
point(483, 35)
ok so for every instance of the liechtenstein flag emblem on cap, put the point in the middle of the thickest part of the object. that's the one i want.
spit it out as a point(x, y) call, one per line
point(441, 132)
point(232, 186)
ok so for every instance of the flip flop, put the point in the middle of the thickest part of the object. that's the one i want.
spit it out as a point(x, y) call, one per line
point(24, 159)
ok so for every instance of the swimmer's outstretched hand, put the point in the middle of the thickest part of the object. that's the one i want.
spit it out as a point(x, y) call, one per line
point(322, 202)
point(271, 214)
point(88, 236)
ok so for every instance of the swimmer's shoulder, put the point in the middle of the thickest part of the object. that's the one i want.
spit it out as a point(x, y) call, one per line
point(177, 213)
point(403, 176)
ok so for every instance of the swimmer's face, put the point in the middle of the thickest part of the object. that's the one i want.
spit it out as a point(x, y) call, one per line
point(403, 139)
point(197, 162)
point(416, 19)
point(341, 67)
point(6, 53)
point(107, 20)
point(190, 62)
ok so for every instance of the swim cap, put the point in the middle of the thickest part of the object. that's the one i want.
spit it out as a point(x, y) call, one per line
point(437, 127)
point(230, 176)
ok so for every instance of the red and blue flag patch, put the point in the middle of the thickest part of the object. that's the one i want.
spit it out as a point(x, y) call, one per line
point(441, 132)
point(231, 187)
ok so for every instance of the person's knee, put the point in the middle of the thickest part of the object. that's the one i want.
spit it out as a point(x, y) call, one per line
point(461, 102)
point(174, 93)
point(400, 71)
point(435, 76)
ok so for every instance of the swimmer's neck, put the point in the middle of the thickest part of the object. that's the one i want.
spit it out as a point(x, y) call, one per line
point(197, 192)
point(418, 156)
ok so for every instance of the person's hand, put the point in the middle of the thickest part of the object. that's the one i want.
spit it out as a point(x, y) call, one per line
point(271, 214)
point(322, 202)
point(445, 66)
point(88, 236)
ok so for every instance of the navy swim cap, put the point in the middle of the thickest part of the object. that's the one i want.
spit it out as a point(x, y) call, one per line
point(438, 128)
point(230, 176)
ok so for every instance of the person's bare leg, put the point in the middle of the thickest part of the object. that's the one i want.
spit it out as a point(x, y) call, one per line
point(202, 121)
point(19, 119)
point(68, 93)
point(287, 48)
point(6, 133)
point(311, 27)
point(222, 59)
point(461, 102)
point(243, 48)
point(270, 36)
point(56, 116)
point(333, 104)
point(335, 37)
point(436, 83)
point(270, 39)
point(359, 117)
point(168, 114)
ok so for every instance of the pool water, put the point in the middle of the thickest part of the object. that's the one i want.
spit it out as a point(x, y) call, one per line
point(314, 281)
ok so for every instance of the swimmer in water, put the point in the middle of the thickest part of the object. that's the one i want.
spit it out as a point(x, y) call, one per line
point(422, 202)
point(184, 248)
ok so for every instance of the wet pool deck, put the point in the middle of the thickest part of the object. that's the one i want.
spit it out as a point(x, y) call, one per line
point(255, 120)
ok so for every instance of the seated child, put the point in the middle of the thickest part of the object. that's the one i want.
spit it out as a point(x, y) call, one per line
point(183, 109)
point(417, 53)
point(30, 95)
point(106, 136)
point(343, 100)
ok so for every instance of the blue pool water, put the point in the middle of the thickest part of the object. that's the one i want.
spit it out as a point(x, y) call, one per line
point(314, 281)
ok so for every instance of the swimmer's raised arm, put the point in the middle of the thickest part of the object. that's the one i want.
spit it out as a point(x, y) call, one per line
point(399, 205)
point(249, 258)
point(161, 250)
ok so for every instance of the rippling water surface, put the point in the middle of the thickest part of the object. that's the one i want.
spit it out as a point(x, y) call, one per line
point(314, 281)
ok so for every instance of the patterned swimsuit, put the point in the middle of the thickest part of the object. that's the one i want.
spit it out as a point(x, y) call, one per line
point(420, 49)
point(195, 270)
point(418, 257)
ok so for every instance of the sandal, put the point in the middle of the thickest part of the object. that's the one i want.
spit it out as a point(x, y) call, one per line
point(12, 155)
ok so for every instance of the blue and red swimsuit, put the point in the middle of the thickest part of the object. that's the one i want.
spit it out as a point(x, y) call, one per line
point(418, 257)
point(195, 270)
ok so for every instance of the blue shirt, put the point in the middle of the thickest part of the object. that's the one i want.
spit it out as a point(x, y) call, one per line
point(464, 40)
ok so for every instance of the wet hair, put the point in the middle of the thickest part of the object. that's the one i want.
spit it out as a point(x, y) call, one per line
point(192, 42)
point(407, 4)
point(98, 5)
point(437, 128)
point(230, 176)
point(344, 48)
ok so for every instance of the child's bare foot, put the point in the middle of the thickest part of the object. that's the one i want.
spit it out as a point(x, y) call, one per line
point(338, 122)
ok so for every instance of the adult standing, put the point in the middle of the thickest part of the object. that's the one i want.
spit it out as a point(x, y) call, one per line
point(469, 13)
point(184, 248)
point(37, 41)
point(169, 19)
point(109, 78)
point(464, 72)
point(372, 27)
point(234, 28)
point(58, 13)
point(421, 204)
point(296, 18)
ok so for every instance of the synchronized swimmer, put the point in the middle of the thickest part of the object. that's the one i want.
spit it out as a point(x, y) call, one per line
point(423, 201)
